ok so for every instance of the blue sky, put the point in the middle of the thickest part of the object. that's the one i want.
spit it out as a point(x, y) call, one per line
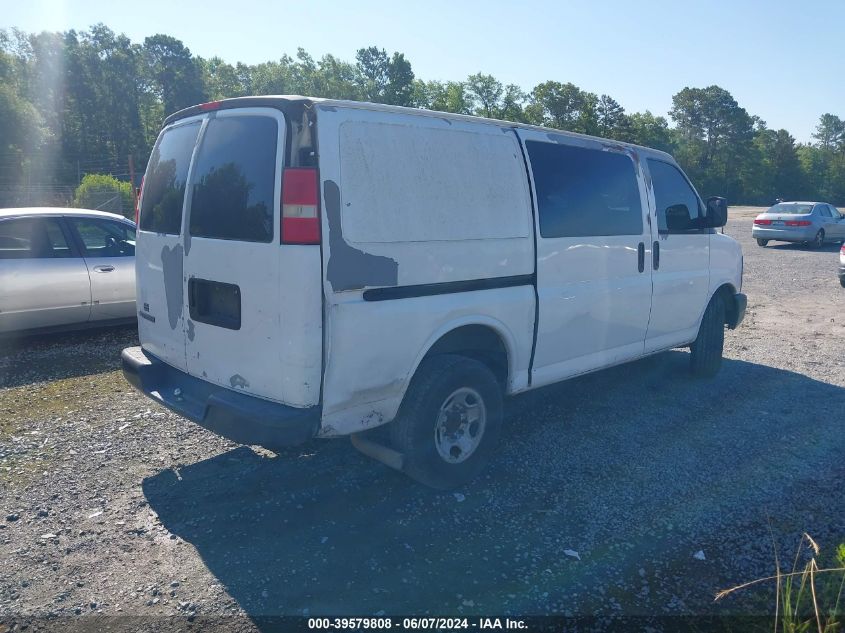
point(781, 60)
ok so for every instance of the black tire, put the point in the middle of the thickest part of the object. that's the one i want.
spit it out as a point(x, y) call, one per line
point(842, 281)
point(818, 241)
point(413, 431)
point(762, 242)
point(706, 351)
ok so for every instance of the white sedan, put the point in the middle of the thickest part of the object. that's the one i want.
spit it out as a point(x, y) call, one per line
point(65, 268)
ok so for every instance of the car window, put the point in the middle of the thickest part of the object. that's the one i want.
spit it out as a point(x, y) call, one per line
point(834, 212)
point(32, 238)
point(165, 180)
point(825, 211)
point(675, 199)
point(583, 192)
point(105, 238)
point(234, 180)
point(791, 208)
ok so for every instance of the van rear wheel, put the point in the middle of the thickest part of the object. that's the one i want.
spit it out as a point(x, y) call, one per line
point(449, 421)
point(706, 350)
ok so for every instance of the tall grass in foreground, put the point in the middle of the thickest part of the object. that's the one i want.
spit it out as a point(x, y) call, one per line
point(808, 598)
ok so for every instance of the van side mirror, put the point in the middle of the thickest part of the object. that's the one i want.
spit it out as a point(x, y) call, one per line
point(678, 218)
point(717, 212)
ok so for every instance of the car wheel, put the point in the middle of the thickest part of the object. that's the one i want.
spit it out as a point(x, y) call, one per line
point(449, 421)
point(762, 242)
point(706, 350)
point(842, 281)
point(818, 241)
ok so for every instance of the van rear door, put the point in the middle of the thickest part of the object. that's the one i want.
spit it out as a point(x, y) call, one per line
point(232, 294)
point(159, 249)
point(243, 310)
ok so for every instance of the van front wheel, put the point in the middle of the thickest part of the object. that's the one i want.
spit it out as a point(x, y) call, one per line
point(706, 350)
point(449, 421)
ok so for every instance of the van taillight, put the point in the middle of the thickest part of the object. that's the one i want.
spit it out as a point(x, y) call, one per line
point(300, 219)
point(138, 193)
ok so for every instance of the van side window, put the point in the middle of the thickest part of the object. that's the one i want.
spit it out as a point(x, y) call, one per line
point(234, 180)
point(32, 238)
point(164, 182)
point(584, 192)
point(675, 198)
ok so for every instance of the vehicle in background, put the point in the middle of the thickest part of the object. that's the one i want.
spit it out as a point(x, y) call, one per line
point(812, 223)
point(842, 265)
point(312, 267)
point(65, 269)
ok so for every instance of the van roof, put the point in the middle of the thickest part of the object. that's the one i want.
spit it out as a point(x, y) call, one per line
point(24, 211)
point(271, 100)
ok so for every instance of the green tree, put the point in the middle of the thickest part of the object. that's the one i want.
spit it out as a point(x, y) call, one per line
point(716, 135)
point(106, 193)
point(611, 120)
point(830, 132)
point(335, 78)
point(384, 79)
point(651, 131)
point(174, 75)
point(486, 93)
point(512, 104)
point(221, 80)
point(562, 106)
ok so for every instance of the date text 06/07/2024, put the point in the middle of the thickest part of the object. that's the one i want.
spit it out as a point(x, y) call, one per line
point(423, 623)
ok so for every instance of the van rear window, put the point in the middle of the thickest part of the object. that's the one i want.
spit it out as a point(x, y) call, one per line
point(164, 182)
point(234, 180)
point(583, 192)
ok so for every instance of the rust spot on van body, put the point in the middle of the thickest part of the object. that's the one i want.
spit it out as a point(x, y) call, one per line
point(171, 266)
point(238, 382)
point(348, 267)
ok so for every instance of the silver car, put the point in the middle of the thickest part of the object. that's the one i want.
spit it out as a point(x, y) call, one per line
point(812, 223)
point(65, 268)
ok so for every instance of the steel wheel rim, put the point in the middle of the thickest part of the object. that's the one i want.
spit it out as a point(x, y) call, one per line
point(461, 422)
point(819, 239)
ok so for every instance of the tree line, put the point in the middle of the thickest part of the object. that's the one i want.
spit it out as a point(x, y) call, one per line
point(82, 102)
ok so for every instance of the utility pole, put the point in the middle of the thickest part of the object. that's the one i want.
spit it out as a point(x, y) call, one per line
point(132, 182)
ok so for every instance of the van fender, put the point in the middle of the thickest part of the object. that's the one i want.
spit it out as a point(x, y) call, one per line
point(361, 417)
point(715, 288)
point(517, 380)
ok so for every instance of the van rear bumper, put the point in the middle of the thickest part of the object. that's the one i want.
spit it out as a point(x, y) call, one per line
point(236, 416)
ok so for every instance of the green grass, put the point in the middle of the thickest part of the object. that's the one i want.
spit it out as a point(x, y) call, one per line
point(809, 597)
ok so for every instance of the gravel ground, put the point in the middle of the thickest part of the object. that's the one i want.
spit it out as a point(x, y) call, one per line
point(635, 490)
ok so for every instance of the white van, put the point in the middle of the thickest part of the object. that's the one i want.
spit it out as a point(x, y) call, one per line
point(311, 267)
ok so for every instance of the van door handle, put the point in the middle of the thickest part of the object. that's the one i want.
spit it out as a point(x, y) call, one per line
point(104, 269)
point(641, 256)
point(655, 254)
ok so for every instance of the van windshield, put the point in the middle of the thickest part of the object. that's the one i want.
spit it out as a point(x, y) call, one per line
point(234, 180)
point(791, 208)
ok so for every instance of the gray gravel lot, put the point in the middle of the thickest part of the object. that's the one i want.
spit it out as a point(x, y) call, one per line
point(111, 505)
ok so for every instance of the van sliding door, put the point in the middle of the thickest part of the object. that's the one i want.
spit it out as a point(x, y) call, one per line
point(593, 255)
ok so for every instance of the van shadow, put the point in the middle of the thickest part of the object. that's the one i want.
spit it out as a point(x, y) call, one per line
point(630, 467)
